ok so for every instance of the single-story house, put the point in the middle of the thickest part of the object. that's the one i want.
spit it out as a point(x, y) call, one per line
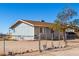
point(30, 30)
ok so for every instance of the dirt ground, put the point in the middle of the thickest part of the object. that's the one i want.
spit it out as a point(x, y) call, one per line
point(23, 46)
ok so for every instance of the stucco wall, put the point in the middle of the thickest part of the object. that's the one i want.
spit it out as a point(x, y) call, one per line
point(26, 31)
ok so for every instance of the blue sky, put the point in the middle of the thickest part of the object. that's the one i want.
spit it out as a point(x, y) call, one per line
point(11, 12)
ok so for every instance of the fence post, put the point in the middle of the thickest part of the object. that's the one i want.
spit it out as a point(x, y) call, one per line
point(59, 38)
point(65, 39)
point(46, 38)
point(45, 45)
point(39, 42)
point(4, 44)
point(52, 39)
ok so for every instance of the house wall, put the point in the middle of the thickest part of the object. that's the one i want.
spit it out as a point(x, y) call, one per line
point(44, 31)
point(25, 30)
point(47, 30)
point(70, 30)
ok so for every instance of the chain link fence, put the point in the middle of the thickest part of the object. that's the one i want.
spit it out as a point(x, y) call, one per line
point(17, 44)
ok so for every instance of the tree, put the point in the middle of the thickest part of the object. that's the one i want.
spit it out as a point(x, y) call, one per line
point(56, 26)
point(64, 17)
point(52, 32)
point(75, 22)
point(66, 14)
point(62, 20)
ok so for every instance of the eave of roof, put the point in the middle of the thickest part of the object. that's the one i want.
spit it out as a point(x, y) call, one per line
point(30, 22)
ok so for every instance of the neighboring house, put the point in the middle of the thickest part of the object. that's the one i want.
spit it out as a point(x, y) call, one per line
point(72, 32)
point(29, 30)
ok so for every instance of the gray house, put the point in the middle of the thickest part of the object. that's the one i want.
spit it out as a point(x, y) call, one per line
point(29, 30)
